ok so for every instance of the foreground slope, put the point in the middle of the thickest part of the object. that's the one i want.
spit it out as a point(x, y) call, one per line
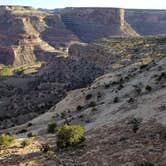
point(123, 112)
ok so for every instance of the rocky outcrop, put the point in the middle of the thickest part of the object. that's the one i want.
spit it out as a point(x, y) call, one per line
point(147, 22)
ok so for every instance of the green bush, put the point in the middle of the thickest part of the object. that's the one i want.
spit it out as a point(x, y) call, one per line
point(52, 127)
point(31, 134)
point(6, 139)
point(70, 135)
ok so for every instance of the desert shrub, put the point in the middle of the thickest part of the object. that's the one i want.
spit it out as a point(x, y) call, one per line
point(52, 127)
point(144, 163)
point(63, 114)
point(22, 131)
point(99, 95)
point(148, 88)
point(45, 148)
point(143, 66)
point(79, 108)
point(94, 109)
point(162, 133)
point(88, 96)
point(161, 76)
point(70, 135)
point(138, 90)
point(120, 86)
point(26, 142)
point(31, 134)
point(7, 139)
point(116, 100)
point(92, 104)
point(107, 85)
point(131, 100)
point(135, 124)
point(29, 124)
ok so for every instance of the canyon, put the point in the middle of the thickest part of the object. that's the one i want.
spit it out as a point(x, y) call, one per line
point(101, 68)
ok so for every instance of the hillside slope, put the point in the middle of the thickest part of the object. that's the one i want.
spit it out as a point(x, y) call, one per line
point(123, 113)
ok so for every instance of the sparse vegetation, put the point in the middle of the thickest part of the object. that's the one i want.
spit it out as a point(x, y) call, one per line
point(144, 163)
point(148, 88)
point(11, 70)
point(29, 124)
point(32, 134)
point(79, 108)
point(135, 124)
point(88, 96)
point(162, 133)
point(116, 100)
point(22, 131)
point(92, 104)
point(94, 109)
point(161, 76)
point(52, 127)
point(70, 135)
point(7, 140)
point(45, 148)
point(107, 85)
point(63, 115)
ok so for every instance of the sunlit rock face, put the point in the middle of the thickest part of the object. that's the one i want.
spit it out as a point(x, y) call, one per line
point(26, 33)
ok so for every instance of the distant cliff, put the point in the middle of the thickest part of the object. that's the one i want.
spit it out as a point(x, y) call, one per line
point(90, 24)
point(147, 22)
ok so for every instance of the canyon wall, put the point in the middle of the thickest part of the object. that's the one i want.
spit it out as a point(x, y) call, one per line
point(147, 22)
point(26, 33)
point(90, 24)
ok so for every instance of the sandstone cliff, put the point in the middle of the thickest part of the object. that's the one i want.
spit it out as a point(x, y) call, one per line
point(90, 24)
point(25, 33)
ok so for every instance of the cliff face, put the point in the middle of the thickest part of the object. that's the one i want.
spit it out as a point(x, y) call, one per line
point(25, 33)
point(90, 24)
point(147, 22)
